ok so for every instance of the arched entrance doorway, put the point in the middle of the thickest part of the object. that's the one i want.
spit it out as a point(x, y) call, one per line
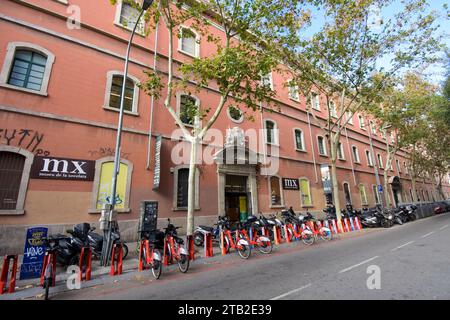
point(237, 188)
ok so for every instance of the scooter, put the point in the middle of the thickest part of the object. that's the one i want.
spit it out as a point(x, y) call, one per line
point(200, 231)
point(67, 249)
point(96, 242)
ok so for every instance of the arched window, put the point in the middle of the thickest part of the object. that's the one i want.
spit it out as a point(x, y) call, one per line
point(188, 107)
point(321, 146)
point(15, 165)
point(305, 193)
point(276, 198)
point(355, 154)
point(380, 160)
point(315, 100)
point(299, 140)
point(347, 194)
point(333, 110)
point(27, 67)
point(362, 194)
point(340, 151)
point(11, 168)
point(376, 195)
point(104, 169)
point(293, 91)
point(189, 42)
point(362, 124)
point(369, 158)
point(114, 82)
point(271, 132)
point(126, 16)
point(181, 188)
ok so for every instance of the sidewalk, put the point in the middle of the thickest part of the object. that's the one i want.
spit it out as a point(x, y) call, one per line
point(26, 289)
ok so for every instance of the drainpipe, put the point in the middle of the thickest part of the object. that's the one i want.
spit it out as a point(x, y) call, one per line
point(152, 102)
point(312, 146)
point(263, 133)
point(350, 153)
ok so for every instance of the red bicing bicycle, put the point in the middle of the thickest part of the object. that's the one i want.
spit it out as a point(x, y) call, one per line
point(174, 249)
point(257, 239)
point(234, 239)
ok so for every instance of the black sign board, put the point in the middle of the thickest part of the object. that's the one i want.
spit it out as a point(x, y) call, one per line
point(157, 172)
point(148, 221)
point(62, 169)
point(291, 184)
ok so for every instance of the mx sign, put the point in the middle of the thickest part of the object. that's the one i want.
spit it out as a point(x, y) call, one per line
point(290, 184)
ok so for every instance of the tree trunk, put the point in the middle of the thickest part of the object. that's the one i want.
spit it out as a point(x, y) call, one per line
point(387, 199)
point(439, 189)
point(334, 181)
point(191, 187)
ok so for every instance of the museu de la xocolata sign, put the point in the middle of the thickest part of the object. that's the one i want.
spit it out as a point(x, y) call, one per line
point(62, 169)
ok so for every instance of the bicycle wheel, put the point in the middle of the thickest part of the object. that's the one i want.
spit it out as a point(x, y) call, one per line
point(265, 246)
point(308, 239)
point(183, 263)
point(326, 235)
point(244, 251)
point(144, 258)
point(48, 280)
point(157, 268)
point(226, 244)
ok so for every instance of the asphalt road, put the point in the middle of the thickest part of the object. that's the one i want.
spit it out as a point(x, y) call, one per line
point(413, 261)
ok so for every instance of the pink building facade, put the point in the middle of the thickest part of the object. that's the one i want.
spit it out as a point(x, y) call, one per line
point(58, 121)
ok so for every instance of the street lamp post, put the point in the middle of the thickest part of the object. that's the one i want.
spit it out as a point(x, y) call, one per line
point(111, 222)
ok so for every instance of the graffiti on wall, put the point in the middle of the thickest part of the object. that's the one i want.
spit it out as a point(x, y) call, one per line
point(24, 138)
point(107, 152)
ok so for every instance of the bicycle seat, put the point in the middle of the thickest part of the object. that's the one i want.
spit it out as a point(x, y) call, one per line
point(210, 229)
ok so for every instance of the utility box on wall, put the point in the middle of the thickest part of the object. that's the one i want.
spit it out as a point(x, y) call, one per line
point(148, 221)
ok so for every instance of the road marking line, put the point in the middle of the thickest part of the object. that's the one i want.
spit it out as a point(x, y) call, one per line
point(357, 265)
point(291, 292)
point(403, 245)
point(428, 234)
point(442, 228)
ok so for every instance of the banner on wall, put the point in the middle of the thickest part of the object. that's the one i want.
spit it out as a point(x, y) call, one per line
point(157, 171)
point(62, 169)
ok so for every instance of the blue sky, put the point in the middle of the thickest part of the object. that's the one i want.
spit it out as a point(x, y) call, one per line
point(435, 73)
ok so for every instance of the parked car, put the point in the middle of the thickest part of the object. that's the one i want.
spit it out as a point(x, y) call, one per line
point(441, 207)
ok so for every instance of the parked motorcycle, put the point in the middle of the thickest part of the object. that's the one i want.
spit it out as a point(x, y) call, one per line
point(67, 250)
point(96, 242)
point(399, 216)
point(377, 217)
